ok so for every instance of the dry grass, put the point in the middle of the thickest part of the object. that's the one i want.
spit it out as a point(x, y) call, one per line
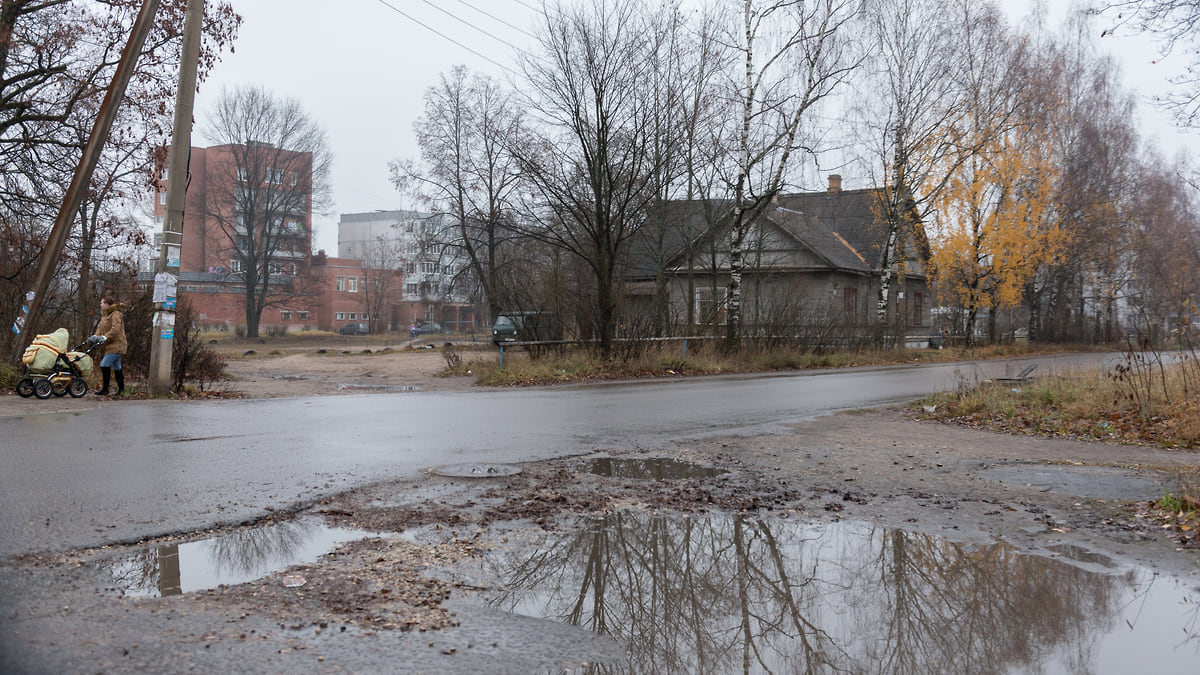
point(521, 368)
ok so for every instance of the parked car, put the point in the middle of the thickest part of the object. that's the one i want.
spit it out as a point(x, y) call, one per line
point(526, 327)
point(355, 329)
point(429, 328)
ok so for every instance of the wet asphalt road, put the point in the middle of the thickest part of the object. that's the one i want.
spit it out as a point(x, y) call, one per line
point(120, 473)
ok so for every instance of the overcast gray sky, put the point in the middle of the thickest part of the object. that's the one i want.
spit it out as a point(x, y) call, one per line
point(361, 68)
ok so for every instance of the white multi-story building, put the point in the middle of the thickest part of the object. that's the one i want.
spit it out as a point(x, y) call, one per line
point(424, 247)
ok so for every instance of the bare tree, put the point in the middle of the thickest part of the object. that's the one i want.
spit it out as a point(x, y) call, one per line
point(275, 174)
point(594, 163)
point(1175, 23)
point(917, 50)
point(795, 54)
point(468, 172)
point(383, 272)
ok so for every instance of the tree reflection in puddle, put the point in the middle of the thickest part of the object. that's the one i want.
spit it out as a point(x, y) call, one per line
point(736, 593)
point(240, 556)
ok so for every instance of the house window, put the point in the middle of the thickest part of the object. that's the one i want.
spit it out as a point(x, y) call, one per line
point(302, 316)
point(285, 315)
point(341, 316)
point(850, 303)
point(710, 306)
point(341, 283)
point(353, 284)
point(918, 307)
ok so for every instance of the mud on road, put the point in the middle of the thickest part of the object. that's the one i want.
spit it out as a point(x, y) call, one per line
point(423, 585)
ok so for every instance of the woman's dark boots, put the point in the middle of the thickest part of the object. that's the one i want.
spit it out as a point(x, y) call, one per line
point(120, 373)
point(106, 373)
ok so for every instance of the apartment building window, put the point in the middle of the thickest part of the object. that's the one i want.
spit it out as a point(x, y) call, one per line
point(292, 178)
point(158, 220)
point(275, 176)
point(243, 175)
point(236, 266)
point(164, 173)
point(353, 284)
point(162, 198)
point(429, 267)
point(285, 315)
point(302, 316)
point(352, 316)
point(341, 316)
point(341, 283)
point(411, 289)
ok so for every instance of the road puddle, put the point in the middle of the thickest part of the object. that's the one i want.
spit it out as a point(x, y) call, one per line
point(733, 592)
point(648, 469)
point(235, 558)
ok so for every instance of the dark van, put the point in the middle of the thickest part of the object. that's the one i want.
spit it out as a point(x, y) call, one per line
point(526, 327)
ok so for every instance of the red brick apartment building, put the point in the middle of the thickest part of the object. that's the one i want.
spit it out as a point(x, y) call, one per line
point(306, 291)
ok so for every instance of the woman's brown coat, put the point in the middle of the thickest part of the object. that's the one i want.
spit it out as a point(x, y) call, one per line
point(112, 326)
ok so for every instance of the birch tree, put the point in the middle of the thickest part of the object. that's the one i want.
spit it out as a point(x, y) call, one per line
point(917, 51)
point(794, 54)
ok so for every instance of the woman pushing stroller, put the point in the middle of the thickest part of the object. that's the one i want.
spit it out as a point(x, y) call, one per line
point(112, 327)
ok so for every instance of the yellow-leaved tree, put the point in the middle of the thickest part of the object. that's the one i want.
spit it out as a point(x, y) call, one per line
point(995, 224)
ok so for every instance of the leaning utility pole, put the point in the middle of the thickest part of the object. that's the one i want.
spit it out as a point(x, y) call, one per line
point(25, 322)
point(166, 281)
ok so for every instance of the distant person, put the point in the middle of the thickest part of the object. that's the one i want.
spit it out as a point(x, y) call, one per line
point(112, 327)
point(412, 331)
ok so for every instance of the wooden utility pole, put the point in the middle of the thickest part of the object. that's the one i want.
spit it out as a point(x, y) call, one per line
point(166, 281)
point(23, 325)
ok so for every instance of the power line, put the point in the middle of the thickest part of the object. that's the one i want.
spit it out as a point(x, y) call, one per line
point(496, 18)
point(522, 2)
point(447, 37)
point(468, 23)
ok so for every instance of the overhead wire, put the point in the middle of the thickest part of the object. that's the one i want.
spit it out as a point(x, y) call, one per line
point(447, 37)
point(496, 18)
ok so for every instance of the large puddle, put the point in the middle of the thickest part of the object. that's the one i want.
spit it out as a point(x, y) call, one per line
point(235, 558)
point(734, 592)
point(737, 593)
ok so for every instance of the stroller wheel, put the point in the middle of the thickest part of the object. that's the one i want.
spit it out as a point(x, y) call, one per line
point(25, 387)
point(43, 388)
point(77, 387)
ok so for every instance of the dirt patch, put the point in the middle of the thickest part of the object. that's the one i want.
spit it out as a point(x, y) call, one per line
point(331, 370)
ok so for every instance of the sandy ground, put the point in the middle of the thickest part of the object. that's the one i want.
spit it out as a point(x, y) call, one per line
point(1039, 495)
point(340, 370)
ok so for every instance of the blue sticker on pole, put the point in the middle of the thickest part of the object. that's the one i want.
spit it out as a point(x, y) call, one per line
point(169, 303)
point(168, 334)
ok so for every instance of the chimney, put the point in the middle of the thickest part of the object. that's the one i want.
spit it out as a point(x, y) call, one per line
point(835, 183)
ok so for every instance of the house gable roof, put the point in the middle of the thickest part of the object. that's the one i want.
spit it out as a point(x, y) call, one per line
point(843, 229)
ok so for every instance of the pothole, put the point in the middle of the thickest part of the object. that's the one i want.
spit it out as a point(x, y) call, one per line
point(648, 468)
point(235, 558)
point(474, 470)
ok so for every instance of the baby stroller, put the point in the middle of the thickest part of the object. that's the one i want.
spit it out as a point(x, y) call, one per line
point(53, 369)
